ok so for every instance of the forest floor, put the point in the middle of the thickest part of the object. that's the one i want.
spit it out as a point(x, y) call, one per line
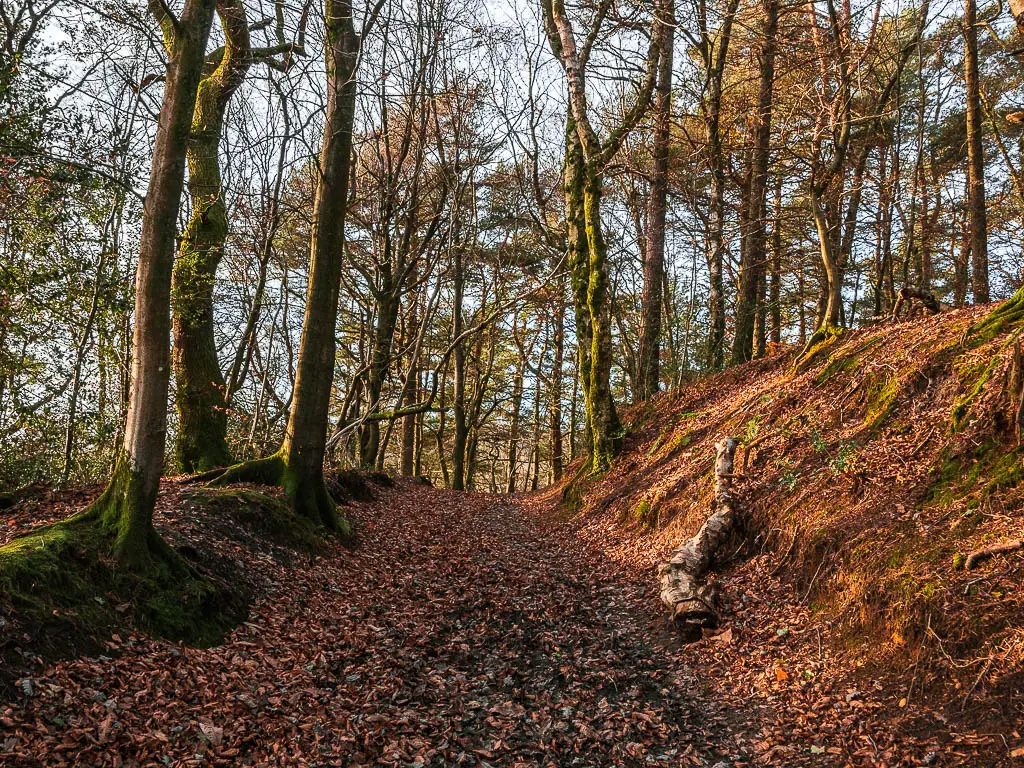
point(463, 629)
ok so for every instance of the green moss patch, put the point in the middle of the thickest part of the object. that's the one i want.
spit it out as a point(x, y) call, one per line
point(1008, 315)
point(820, 342)
point(972, 476)
point(63, 587)
point(845, 361)
point(644, 516)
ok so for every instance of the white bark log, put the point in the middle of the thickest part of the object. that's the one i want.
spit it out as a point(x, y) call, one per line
point(682, 590)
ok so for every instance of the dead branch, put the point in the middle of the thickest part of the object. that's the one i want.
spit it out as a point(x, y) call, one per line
point(980, 555)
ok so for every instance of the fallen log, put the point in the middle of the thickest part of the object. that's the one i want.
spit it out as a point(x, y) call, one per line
point(985, 553)
point(688, 599)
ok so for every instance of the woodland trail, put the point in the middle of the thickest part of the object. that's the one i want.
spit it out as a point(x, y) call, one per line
point(458, 632)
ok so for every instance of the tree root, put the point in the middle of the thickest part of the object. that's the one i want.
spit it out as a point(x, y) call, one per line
point(307, 496)
point(980, 555)
point(820, 341)
point(1007, 315)
point(690, 602)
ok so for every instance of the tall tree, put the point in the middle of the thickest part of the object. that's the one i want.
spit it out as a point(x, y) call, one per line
point(975, 158)
point(713, 46)
point(201, 442)
point(126, 507)
point(587, 157)
point(654, 253)
point(201, 394)
point(754, 257)
point(298, 465)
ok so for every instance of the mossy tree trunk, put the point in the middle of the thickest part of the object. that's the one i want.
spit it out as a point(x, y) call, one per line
point(825, 177)
point(833, 283)
point(587, 157)
point(298, 465)
point(200, 393)
point(125, 509)
point(578, 253)
point(605, 429)
point(306, 434)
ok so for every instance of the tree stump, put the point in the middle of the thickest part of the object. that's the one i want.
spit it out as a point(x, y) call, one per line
point(916, 301)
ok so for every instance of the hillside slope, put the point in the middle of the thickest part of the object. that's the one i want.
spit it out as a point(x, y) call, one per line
point(870, 475)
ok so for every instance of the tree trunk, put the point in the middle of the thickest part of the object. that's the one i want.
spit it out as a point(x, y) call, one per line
point(380, 356)
point(535, 477)
point(833, 283)
point(716, 163)
point(689, 601)
point(306, 433)
point(513, 430)
point(754, 256)
point(761, 318)
point(716, 259)
point(654, 253)
point(201, 442)
point(975, 158)
point(126, 507)
point(883, 241)
point(298, 465)
point(459, 379)
point(961, 273)
point(603, 419)
point(775, 291)
point(576, 244)
point(555, 413)
point(80, 350)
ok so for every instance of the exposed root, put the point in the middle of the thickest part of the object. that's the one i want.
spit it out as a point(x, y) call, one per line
point(1007, 315)
point(820, 341)
point(308, 496)
point(963, 403)
point(59, 579)
point(123, 513)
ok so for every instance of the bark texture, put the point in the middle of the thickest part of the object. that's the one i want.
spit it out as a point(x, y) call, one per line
point(682, 589)
point(754, 256)
point(975, 158)
point(654, 254)
point(126, 507)
point(298, 465)
point(587, 157)
point(306, 435)
point(201, 442)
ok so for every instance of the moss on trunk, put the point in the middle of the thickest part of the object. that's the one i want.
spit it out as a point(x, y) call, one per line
point(200, 395)
point(819, 343)
point(124, 512)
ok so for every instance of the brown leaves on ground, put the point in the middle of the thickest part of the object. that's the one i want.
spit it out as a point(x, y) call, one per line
point(851, 632)
point(456, 633)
